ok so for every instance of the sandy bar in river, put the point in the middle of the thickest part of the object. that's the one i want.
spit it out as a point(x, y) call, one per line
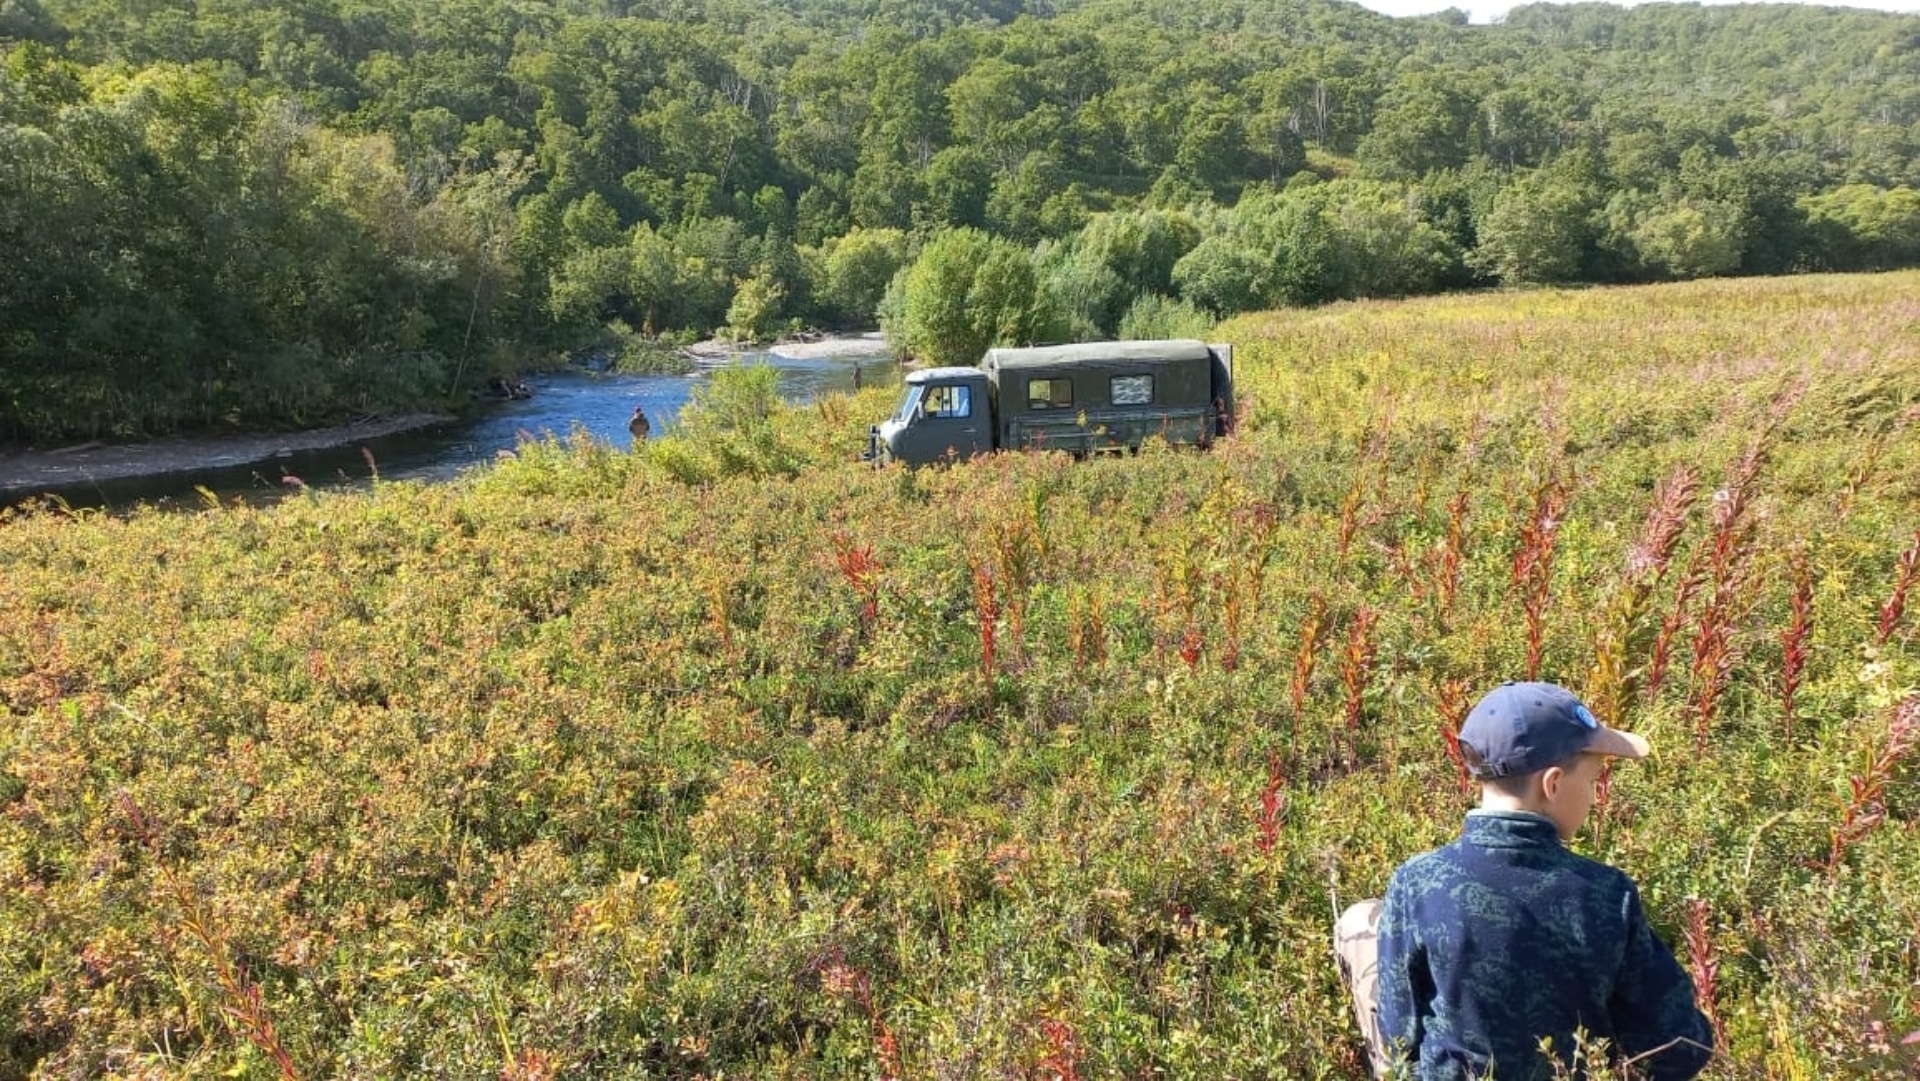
point(865, 345)
point(716, 351)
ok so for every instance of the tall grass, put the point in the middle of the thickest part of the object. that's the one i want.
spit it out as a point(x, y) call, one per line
point(748, 760)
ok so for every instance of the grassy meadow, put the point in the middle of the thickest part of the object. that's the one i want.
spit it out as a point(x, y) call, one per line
point(735, 758)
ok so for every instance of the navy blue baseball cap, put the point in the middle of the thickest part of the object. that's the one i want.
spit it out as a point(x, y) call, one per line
point(1521, 728)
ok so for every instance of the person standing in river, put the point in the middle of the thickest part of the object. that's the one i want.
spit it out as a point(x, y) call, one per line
point(638, 426)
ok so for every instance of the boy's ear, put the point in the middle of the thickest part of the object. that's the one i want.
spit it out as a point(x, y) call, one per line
point(1550, 780)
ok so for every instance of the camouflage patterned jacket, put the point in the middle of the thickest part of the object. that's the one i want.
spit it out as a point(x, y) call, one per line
point(1504, 937)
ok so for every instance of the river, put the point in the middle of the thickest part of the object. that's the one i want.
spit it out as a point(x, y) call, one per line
point(600, 403)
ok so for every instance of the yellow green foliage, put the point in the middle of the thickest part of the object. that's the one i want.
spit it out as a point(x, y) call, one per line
point(597, 764)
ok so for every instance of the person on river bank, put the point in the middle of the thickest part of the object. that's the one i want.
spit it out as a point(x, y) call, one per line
point(508, 389)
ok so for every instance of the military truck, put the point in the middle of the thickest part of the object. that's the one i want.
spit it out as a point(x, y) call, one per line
point(1087, 398)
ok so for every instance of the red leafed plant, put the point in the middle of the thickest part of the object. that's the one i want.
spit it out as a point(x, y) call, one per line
point(1444, 561)
point(1356, 668)
point(1311, 630)
point(1061, 1062)
point(1867, 806)
point(1621, 633)
point(1602, 798)
point(1453, 714)
point(1273, 804)
point(1728, 564)
point(1670, 625)
point(1350, 514)
point(528, 1065)
point(986, 612)
point(1233, 612)
point(1019, 550)
point(1666, 521)
point(1721, 564)
point(1240, 587)
point(1192, 644)
point(1447, 571)
point(862, 572)
point(1533, 563)
point(1703, 964)
point(245, 1008)
point(1903, 579)
point(1713, 659)
point(848, 984)
point(1087, 628)
point(1178, 596)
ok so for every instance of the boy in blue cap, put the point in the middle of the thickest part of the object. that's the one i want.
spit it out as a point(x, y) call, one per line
point(1504, 938)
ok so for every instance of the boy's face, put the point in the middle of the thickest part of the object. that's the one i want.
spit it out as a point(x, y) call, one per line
point(1569, 800)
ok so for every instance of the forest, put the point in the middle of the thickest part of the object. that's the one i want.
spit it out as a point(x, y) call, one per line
point(226, 214)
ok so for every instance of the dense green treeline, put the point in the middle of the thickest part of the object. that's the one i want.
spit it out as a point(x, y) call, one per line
point(231, 213)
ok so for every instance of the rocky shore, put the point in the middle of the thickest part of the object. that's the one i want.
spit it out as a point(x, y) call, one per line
point(716, 351)
point(41, 470)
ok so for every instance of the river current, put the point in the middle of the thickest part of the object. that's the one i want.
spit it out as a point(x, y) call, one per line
point(597, 403)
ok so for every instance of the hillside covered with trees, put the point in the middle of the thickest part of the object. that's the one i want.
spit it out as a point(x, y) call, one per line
point(226, 213)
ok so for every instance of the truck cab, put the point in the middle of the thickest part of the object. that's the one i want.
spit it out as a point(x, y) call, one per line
point(944, 413)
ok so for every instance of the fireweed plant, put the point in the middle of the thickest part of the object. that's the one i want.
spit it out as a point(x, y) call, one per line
point(686, 764)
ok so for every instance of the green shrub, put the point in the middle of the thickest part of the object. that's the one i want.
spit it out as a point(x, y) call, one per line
point(1154, 316)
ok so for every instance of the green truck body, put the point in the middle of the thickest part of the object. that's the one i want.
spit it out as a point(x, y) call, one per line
point(1085, 398)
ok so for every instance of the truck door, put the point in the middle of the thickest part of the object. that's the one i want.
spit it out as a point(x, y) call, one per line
point(1222, 368)
point(951, 418)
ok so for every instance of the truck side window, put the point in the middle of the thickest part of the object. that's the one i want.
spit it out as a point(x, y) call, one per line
point(1132, 390)
point(1049, 393)
point(955, 402)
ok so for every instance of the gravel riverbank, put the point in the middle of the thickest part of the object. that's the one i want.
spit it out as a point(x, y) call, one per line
point(40, 470)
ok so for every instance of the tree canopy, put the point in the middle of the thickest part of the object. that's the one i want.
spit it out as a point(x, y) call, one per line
point(228, 213)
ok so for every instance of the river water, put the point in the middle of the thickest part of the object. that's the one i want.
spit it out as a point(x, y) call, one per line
point(599, 403)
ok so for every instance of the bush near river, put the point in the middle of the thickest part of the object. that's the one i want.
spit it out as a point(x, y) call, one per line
point(736, 758)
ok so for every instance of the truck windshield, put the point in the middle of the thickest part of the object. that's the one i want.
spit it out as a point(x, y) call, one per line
point(910, 403)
